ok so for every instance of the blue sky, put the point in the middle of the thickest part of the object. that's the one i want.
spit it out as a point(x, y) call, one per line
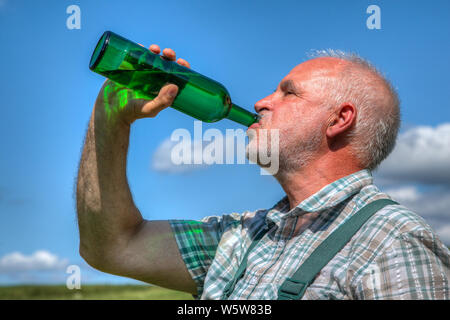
point(47, 95)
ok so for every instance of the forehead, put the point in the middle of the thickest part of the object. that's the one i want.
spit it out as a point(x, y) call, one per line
point(315, 69)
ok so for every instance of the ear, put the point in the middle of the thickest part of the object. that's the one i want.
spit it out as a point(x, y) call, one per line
point(341, 120)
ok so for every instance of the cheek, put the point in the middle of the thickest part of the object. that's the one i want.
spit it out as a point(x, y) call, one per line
point(283, 118)
point(290, 121)
point(299, 125)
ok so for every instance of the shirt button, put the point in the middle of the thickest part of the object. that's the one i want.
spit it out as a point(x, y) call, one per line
point(281, 243)
point(253, 280)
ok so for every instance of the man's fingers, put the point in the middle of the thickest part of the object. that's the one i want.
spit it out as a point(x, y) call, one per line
point(169, 54)
point(155, 49)
point(164, 99)
point(183, 63)
point(167, 93)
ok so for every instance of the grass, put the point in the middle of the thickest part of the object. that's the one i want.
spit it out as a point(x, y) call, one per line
point(91, 292)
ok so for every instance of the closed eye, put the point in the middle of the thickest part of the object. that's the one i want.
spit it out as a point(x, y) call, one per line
point(286, 92)
point(289, 87)
point(289, 93)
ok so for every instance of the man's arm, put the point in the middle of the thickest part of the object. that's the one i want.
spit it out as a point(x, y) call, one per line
point(114, 237)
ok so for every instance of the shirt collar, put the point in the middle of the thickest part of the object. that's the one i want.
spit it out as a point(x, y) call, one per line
point(327, 197)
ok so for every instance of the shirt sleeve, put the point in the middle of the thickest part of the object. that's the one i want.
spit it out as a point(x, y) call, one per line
point(198, 240)
point(415, 267)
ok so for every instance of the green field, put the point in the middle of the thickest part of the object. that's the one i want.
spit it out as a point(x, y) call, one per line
point(96, 292)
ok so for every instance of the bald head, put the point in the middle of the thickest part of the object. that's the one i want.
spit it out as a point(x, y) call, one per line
point(346, 78)
point(323, 65)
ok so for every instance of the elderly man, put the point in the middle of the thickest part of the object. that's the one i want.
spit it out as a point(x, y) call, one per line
point(333, 236)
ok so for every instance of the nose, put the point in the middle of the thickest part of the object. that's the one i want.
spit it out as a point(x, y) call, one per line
point(264, 103)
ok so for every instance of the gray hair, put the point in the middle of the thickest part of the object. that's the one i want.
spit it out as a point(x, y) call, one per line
point(378, 107)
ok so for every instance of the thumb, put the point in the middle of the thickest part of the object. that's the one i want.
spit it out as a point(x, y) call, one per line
point(164, 99)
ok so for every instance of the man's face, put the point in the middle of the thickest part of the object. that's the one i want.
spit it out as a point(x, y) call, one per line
point(296, 110)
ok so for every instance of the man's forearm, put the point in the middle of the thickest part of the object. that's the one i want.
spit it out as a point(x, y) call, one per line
point(106, 211)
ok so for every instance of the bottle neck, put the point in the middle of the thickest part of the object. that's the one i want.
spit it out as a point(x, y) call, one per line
point(242, 116)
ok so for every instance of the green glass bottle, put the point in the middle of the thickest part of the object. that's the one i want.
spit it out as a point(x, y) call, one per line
point(137, 68)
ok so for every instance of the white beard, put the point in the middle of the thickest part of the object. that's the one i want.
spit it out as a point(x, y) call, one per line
point(297, 154)
point(293, 152)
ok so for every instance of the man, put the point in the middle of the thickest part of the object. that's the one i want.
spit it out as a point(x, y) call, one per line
point(337, 119)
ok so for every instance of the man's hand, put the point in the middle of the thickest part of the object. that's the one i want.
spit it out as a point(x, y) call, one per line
point(121, 102)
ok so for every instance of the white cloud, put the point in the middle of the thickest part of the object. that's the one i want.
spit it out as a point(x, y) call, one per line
point(223, 149)
point(433, 203)
point(404, 194)
point(162, 160)
point(38, 261)
point(47, 268)
point(422, 155)
point(444, 233)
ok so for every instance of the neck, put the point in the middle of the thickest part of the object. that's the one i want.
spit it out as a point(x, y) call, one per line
point(301, 183)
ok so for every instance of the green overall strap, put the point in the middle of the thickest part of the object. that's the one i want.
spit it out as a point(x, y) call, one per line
point(294, 287)
point(241, 270)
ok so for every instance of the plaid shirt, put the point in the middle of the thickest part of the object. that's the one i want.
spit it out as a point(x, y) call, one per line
point(395, 255)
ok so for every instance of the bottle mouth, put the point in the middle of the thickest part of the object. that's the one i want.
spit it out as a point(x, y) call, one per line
point(99, 50)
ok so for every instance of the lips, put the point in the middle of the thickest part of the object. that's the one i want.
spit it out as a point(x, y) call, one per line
point(258, 123)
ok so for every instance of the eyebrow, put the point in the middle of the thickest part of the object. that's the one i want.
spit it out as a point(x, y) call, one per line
point(289, 85)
